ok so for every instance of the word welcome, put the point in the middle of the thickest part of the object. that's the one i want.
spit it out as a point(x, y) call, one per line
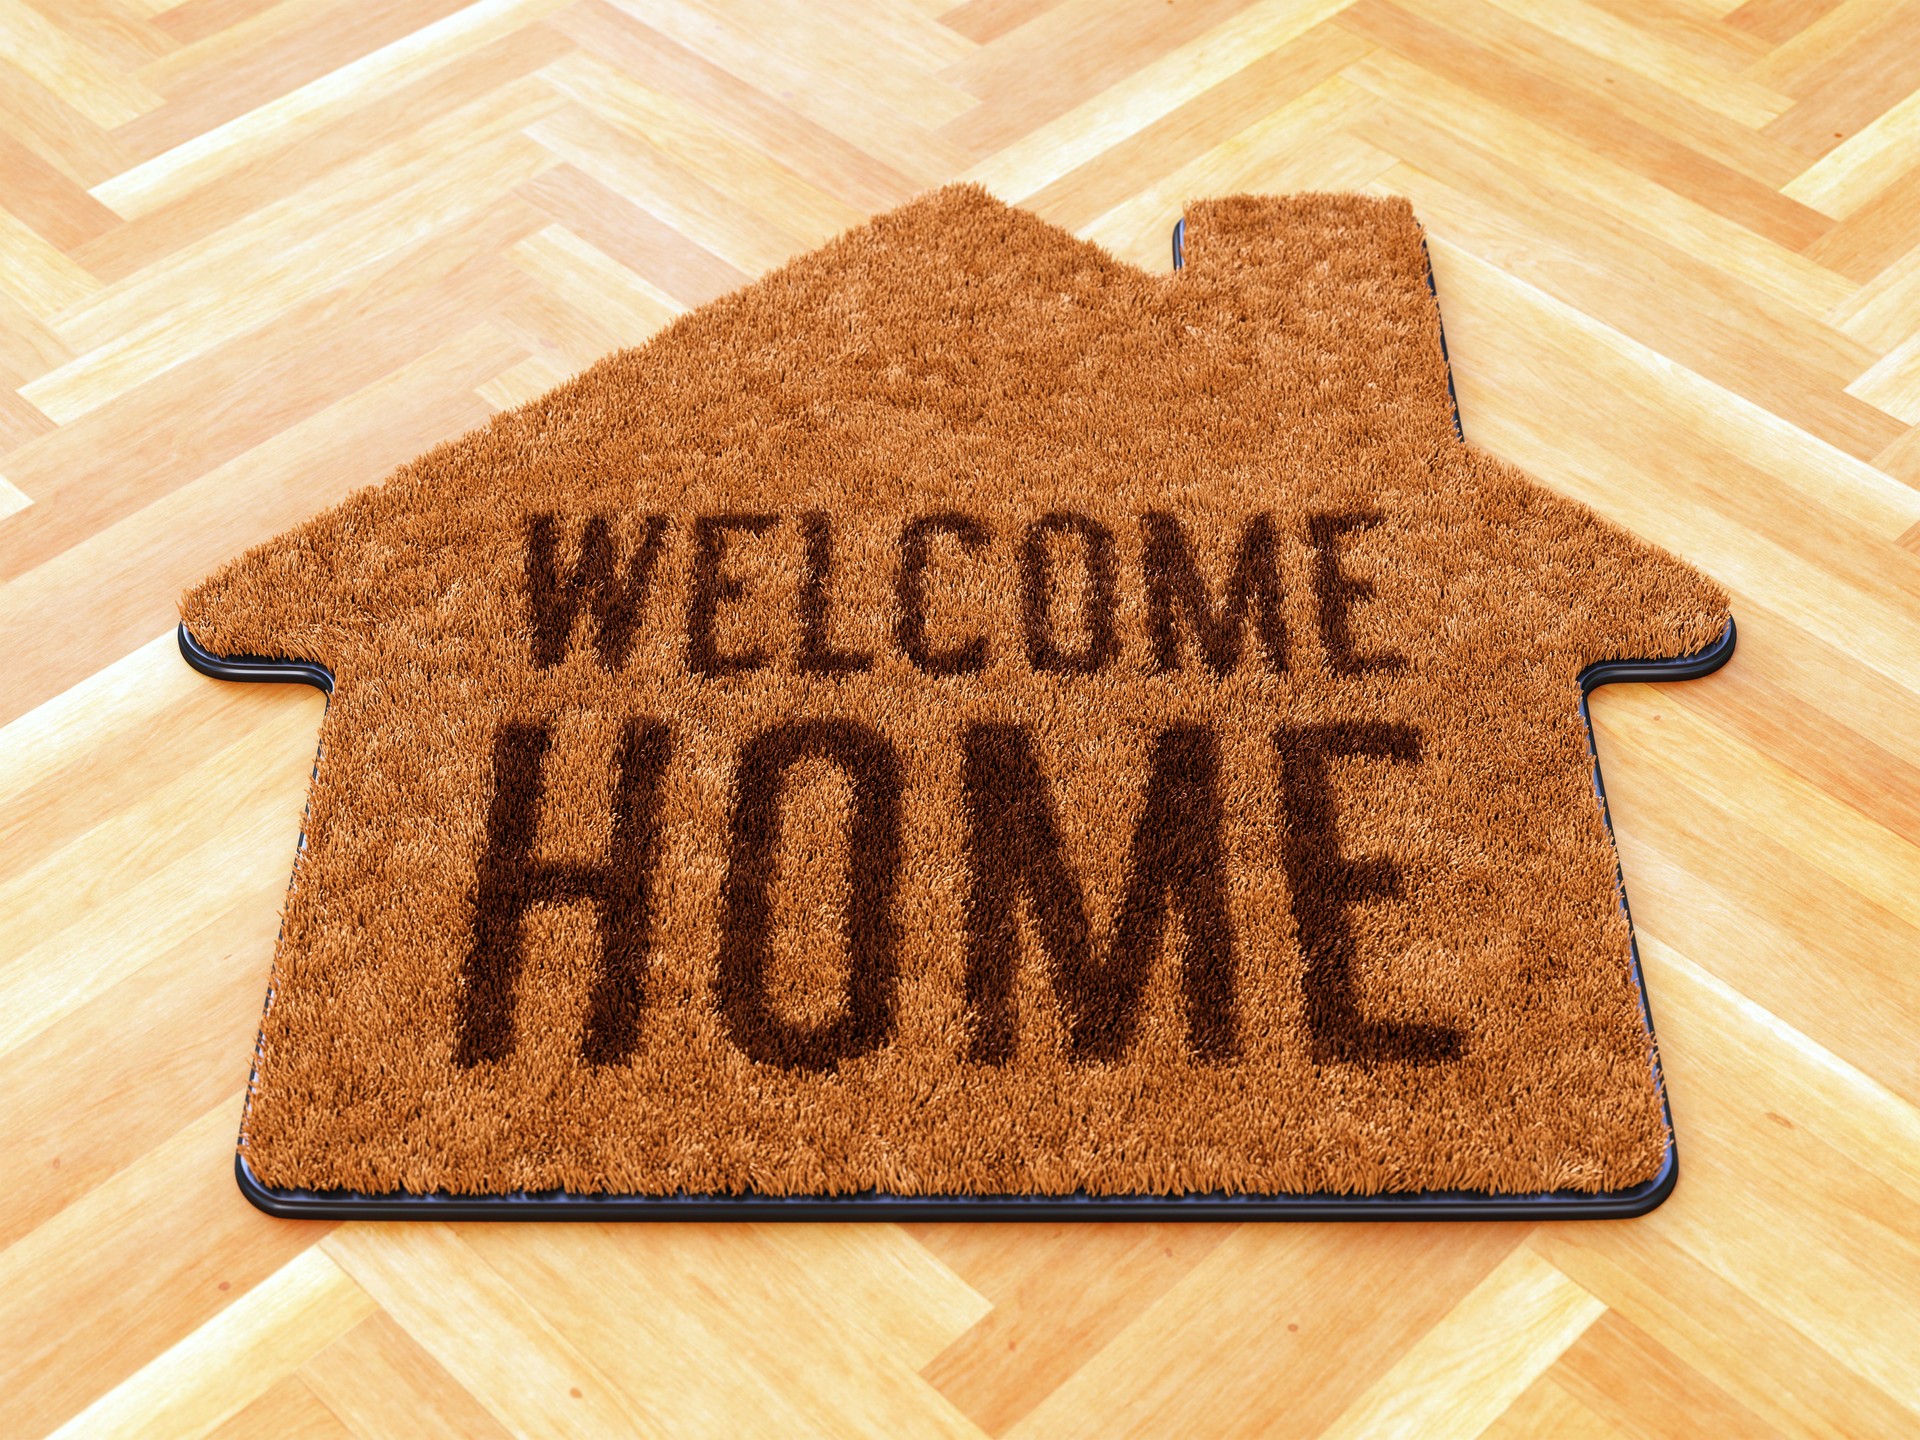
point(610, 584)
point(1176, 868)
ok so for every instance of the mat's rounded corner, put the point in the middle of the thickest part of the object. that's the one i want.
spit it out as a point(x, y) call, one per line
point(1660, 1188)
point(1680, 667)
point(251, 668)
point(1636, 1200)
point(258, 1195)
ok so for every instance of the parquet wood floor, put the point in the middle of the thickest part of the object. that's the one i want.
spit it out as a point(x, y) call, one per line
point(256, 252)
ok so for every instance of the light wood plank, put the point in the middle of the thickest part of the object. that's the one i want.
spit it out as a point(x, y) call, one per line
point(226, 1364)
point(1466, 1370)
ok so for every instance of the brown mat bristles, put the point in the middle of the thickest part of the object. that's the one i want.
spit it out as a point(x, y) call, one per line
point(965, 716)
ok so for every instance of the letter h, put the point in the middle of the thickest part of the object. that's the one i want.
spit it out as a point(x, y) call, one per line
point(511, 882)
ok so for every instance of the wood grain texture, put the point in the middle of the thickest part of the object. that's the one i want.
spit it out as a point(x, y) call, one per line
point(253, 253)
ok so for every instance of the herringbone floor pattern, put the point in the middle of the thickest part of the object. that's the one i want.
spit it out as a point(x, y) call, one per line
point(254, 253)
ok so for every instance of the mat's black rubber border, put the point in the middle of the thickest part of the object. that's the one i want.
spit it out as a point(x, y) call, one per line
point(1426, 1205)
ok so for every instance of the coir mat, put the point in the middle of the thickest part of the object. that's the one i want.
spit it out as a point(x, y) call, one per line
point(963, 726)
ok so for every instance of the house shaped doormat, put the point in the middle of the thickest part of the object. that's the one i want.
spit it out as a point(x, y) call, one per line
point(965, 727)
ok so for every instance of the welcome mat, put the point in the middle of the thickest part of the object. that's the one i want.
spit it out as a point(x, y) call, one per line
point(964, 726)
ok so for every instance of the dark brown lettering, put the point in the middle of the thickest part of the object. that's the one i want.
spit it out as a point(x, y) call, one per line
point(1174, 582)
point(910, 625)
point(1176, 861)
point(511, 882)
point(872, 938)
point(1336, 591)
point(817, 653)
point(1325, 883)
point(711, 585)
point(1096, 607)
point(616, 594)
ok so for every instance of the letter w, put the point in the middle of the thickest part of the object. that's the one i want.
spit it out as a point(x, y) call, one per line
point(616, 593)
point(1176, 861)
point(512, 882)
